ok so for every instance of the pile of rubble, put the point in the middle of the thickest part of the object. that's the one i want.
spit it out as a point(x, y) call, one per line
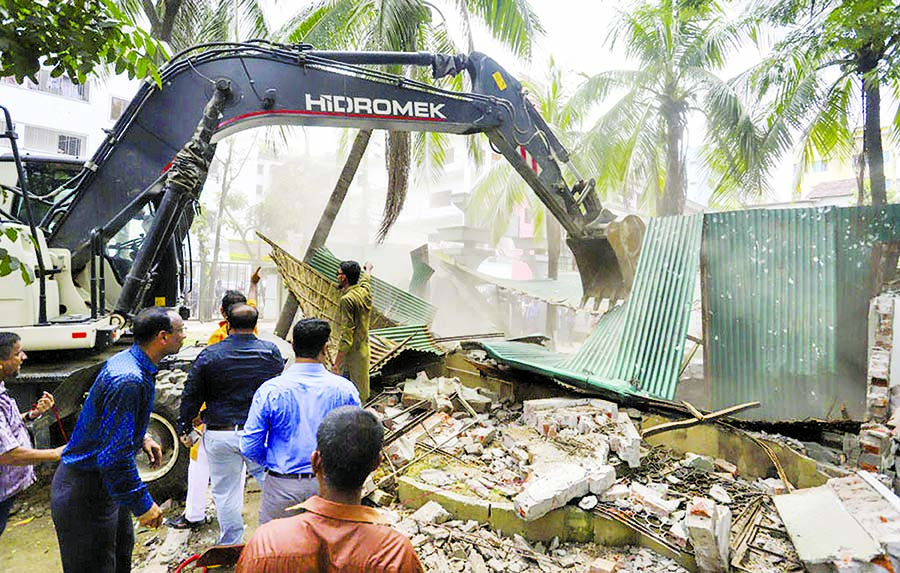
point(545, 454)
point(446, 545)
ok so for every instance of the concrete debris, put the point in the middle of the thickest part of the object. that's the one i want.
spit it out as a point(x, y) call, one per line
point(438, 392)
point(771, 486)
point(402, 450)
point(588, 502)
point(545, 493)
point(600, 478)
point(601, 565)
point(626, 441)
point(825, 534)
point(725, 467)
point(541, 455)
point(709, 531)
point(619, 491)
point(431, 512)
point(653, 500)
point(436, 477)
point(719, 494)
point(463, 547)
point(704, 463)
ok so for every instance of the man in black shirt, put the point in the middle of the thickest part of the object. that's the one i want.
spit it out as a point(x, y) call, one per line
point(226, 376)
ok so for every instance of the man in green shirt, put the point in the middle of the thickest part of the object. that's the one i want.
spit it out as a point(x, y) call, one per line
point(352, 359)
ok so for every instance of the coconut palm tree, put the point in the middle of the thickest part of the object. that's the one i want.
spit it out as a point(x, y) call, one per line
point(826, 76)
point(640, 144)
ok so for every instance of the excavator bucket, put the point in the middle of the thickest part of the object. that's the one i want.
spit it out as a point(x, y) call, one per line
point(607, 259)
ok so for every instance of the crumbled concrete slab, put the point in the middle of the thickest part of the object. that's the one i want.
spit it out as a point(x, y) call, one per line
point(822, 529)
point(431, 512)
point(545, 493)
point(600, 478)
point(651, 500)
point(626, 441)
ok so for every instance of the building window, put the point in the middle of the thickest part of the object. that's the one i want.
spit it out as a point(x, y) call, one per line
point(61, 86)
point(819, 166)
point(52, 141)
point(69, 145)
point(117, 107)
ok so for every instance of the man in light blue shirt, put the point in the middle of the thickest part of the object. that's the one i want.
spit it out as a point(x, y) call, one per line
point(280, 432)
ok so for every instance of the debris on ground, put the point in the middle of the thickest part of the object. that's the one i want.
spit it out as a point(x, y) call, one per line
point(544, 454)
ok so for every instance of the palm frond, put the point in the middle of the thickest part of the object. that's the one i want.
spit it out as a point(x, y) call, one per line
point(512, 22)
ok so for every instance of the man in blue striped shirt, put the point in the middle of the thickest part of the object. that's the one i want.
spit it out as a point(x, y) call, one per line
point(96, 488)
point(280, 433)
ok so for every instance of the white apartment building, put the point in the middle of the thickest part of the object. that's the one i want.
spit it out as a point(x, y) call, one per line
point(57, 116)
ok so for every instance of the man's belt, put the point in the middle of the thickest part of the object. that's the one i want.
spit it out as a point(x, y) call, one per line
point(224, 428)
point(291, 476)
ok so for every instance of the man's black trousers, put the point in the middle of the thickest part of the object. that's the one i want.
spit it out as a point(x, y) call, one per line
point(95, 533)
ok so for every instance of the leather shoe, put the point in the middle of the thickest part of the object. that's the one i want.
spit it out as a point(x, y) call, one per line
point(181, 522)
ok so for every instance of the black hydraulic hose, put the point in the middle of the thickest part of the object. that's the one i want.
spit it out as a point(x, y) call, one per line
point(42, 279)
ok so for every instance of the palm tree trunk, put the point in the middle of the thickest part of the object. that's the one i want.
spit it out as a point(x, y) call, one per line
point(875, 157)
point(674, 190)
point(326, 222)
point(220, 220)
point(872, 136)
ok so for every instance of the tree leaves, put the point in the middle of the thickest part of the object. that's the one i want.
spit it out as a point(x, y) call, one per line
point(71, 38)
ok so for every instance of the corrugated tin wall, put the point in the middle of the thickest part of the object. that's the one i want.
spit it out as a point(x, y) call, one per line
point(786, 294)
point(637, 347)
point(398, 305)
point(642, 342)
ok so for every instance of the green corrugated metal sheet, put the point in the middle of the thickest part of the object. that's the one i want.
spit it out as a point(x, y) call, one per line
point(394, 303)
point(787, 294)
point(637, 347)
point(422, 339)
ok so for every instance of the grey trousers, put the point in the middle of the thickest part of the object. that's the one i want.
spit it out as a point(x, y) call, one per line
point(279, 493)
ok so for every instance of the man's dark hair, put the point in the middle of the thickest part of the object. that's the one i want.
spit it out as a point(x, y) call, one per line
point(7, 343)
point(242, 317)
point(310, 336)
point(150, 322)
point(231, 298)
point(349, 440)
point(351, 270)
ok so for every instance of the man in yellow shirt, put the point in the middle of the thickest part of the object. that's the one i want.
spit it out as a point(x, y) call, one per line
point(198, 467)
point(352, 359)
point(230, 298)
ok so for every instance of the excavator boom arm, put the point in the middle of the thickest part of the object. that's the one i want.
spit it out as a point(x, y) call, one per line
point(277, 84)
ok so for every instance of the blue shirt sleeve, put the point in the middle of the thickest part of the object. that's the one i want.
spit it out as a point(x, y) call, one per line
point(115, 456)
point(192, 396)
point(256, 429)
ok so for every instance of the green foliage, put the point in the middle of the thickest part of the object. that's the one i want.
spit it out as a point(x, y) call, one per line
point(9, 263)
point(639, 144)
point(833, 56)
point(72, 38)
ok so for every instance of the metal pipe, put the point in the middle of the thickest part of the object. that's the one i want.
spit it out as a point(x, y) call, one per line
point(42, 279)
point(375, 58)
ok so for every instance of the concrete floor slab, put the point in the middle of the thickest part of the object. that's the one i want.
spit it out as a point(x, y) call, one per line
point(822, 529)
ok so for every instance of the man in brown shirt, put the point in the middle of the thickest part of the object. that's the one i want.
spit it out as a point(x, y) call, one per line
point(352, 360)
point(336, 533)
